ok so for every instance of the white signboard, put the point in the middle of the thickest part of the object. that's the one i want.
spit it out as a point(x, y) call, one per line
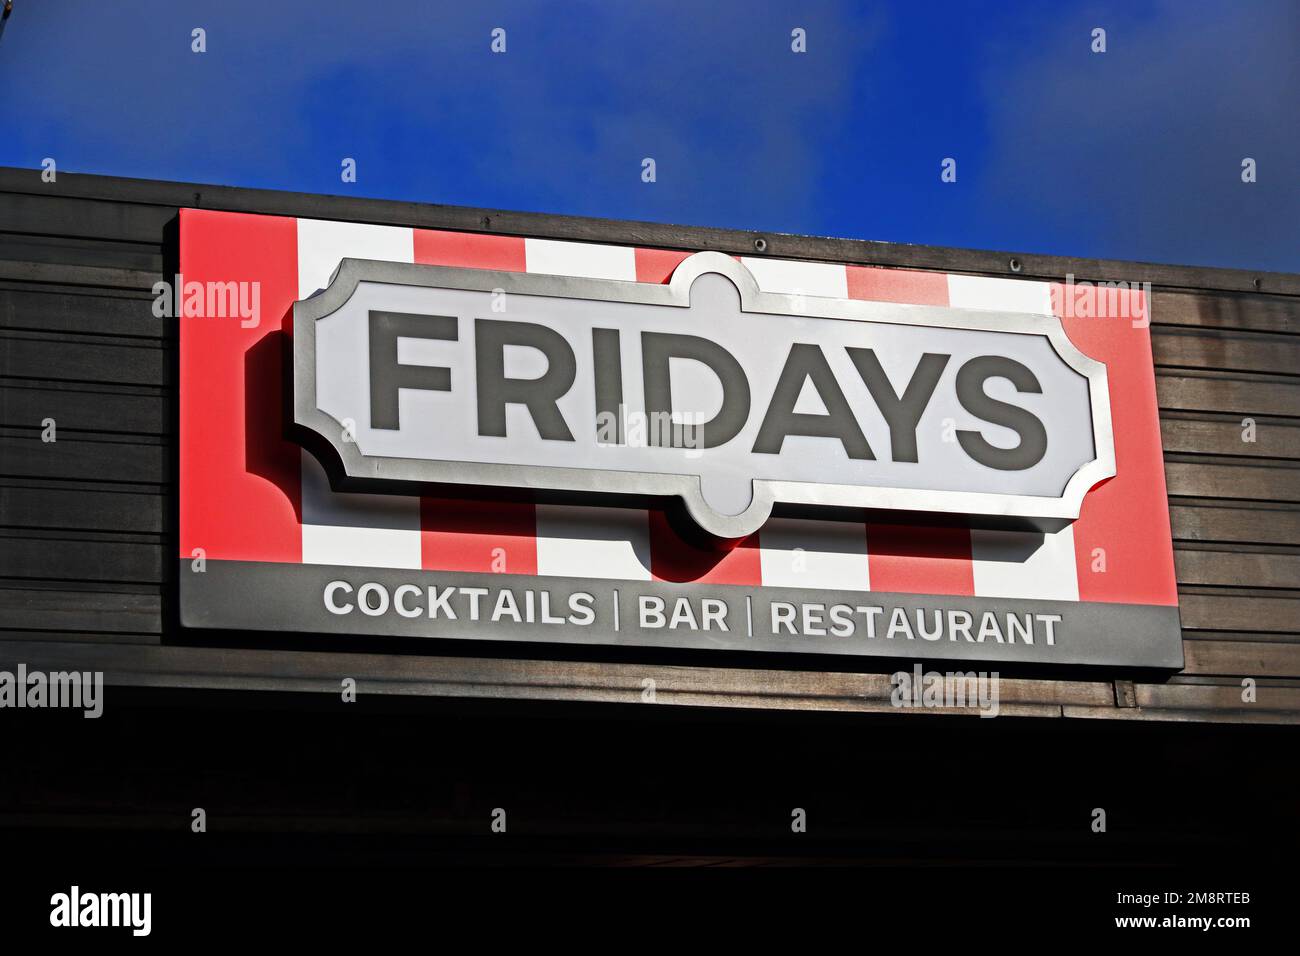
point(706, 389)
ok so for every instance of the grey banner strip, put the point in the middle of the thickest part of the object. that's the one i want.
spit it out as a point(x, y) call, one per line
point(506, 607)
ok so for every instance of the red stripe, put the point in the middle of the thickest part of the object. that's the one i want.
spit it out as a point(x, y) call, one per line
point(462, 534)
point(912, 559)
point(241, 496)
point(897, 285)
point(657, 265)
point(674, 559)
point(919, 559)
point(471, 535)
point(1124, 521)
point(434, 247)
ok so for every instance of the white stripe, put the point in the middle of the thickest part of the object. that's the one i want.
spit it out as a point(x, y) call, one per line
point(583, 259)
point(1024, 564)
point(381, 531)
point(808, 553)
point(322, 243)
point(1018, 564)
point(1004, 295)
point(826, 279)
point(593, 542)
point(360, 547)
point(372, 531)
point(589, 542)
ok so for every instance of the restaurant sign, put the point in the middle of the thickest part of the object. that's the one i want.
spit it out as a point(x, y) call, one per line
point(705, 388)
point(444, 435)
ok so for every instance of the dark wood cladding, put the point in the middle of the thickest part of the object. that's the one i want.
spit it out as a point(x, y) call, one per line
point(87, 522)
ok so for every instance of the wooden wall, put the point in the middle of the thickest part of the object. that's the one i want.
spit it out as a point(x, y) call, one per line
point(87, 522)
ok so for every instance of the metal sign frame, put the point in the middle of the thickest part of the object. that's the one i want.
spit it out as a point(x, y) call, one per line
point(1038, 512)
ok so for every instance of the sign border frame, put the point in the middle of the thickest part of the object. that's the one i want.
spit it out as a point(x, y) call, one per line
point(1036, 512)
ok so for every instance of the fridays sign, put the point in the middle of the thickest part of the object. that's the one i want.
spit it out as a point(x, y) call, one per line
point(288, 542)
point(705, 388)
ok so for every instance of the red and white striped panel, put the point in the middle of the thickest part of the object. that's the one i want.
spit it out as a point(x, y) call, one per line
point(286, 496)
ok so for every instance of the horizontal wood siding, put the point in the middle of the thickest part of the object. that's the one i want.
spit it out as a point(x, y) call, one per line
point(86, 522)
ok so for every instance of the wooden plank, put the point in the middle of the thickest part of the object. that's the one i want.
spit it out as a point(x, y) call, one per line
point(80, 559)
point(39, 309)
point(1271, 439)
point(1220, 350)
point(88, 218)
point(1202, 680)
point(81, 358)
point(75, 409)
point(1225, 310)
point(90, 612)
point(1238, 569)
point(1262, 637)
point(1234, 612)
point(1196, 479)
point(174, 666)
point(61, 274)
point(1258, 525)
point(90, 637)
point(269, 202)
point(79, 509)
point(1242, 658)
point(1217, 697)
point(1207, 715)
point(70, 250)
point(1192, 479)
point(1209, 392)
point(26, 456)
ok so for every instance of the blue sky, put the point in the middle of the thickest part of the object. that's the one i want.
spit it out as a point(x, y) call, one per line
point(1131, 154)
